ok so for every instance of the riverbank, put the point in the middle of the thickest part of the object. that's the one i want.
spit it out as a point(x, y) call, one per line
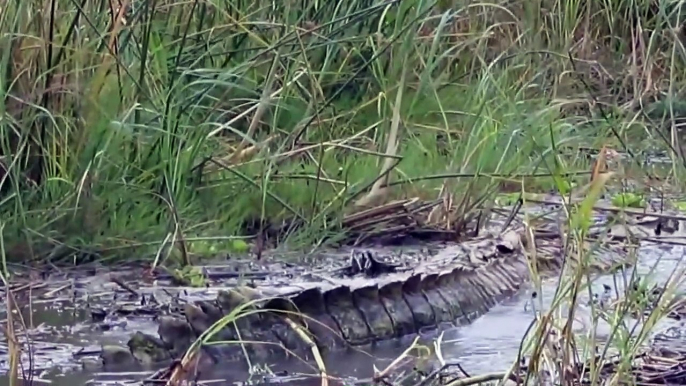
point(74, 312)
point(166, 134)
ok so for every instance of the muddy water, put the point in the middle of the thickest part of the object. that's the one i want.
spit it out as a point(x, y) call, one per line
point(64, 334)
point(492, 342)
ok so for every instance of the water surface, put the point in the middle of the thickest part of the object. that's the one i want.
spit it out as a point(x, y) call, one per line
point(64, 333)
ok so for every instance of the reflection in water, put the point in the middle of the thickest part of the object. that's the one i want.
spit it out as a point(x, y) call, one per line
point(489, 344)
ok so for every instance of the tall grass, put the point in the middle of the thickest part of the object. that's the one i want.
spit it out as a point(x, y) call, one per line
point(558, 354)
point(128, 123)
point(130, 126)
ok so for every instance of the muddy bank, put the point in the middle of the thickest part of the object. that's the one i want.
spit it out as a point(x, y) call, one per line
point(486, 345)
point(73, 313)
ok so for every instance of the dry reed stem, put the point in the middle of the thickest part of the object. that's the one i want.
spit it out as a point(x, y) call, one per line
point(483, 378)
point(239, 154)
point(13, 347)
point(181, 370)
point(380, 190)
point(384, 373)
point(313, 347)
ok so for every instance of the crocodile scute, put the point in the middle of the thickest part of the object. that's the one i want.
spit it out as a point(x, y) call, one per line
point(456, 286)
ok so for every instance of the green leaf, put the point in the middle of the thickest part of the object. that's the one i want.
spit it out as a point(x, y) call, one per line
point(507, 199)
point(239, 246)
point(190, 276)
point(581, 220)
point(628, 200)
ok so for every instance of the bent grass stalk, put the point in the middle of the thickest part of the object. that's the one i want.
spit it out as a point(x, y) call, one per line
point(109, 118)
point(245, 310)
point(151, 127)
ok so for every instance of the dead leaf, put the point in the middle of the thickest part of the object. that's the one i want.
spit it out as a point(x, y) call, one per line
point(599, 166)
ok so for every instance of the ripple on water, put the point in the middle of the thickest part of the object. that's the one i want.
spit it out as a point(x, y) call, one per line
point(493, 341)
point(489, 344)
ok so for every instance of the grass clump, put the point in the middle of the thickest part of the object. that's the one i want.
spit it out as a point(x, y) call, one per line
point(628, 200)
point(198, 121)
point(131, 127)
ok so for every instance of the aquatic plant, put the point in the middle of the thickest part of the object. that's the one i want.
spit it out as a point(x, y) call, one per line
point(154, 128)
point(628, 200)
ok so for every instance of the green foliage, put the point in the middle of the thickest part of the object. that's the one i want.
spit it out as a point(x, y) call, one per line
point(628, 200)
point(189, 276)
point(120, 131)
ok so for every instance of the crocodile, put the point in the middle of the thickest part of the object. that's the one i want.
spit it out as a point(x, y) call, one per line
point(454, 287)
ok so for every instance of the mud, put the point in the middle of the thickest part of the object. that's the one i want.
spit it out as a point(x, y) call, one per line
point(483, 346)
point(92, 311)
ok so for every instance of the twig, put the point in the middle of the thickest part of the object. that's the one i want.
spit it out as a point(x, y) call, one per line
point(438, 371)
point(313, 347)
point(125, 286)
point(613, 209)
point(29, 286)
point(369, 213)
point(481, 379)
point(384, 373)
point(413, 180)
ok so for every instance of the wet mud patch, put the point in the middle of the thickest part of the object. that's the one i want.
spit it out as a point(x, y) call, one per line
point(107, 311)
point(64, 344)
point(64, 318)
point(72, 313)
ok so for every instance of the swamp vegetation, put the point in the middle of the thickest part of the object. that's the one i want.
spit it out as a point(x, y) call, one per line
point(170, 132)
point(130, 125)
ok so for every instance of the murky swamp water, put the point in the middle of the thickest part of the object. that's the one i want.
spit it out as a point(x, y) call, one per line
point(63, 333)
